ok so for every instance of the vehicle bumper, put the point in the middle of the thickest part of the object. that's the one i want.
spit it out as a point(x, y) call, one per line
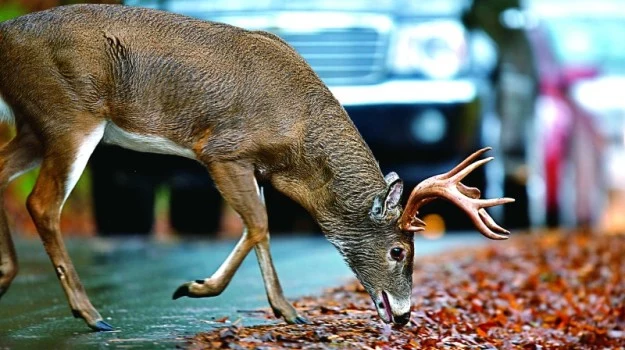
point(407, 92)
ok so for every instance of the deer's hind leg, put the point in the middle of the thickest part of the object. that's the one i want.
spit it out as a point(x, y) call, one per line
point(65, 156)
point(21, 154)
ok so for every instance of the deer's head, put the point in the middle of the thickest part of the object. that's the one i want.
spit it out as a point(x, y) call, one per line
point(380, 253)
point(380, 247)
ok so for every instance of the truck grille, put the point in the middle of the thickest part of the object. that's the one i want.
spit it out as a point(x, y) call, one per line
point(342, 55)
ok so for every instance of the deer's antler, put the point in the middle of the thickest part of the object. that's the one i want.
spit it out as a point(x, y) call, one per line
point(448, 186)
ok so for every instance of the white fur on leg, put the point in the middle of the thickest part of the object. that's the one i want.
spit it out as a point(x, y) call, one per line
point(260, 191)
point(82, 156)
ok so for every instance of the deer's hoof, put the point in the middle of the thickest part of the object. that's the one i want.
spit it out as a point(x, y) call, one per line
point(301, 320)
point(298, 320)
point(102, 326)
point(182, 291)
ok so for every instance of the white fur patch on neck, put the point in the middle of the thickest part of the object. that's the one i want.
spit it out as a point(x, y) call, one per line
point(144, 143)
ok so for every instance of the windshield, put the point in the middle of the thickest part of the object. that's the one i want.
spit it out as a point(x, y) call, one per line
point(596, 42)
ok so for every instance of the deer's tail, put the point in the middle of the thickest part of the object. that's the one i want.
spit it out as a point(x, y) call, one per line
point(6, 115)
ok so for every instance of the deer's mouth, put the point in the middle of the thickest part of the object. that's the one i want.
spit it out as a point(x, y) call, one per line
point(385, 305)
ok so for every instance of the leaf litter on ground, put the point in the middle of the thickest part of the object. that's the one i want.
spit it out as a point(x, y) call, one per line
point(539, 291)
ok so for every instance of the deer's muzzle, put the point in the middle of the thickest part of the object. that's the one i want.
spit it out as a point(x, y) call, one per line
point(392, 309)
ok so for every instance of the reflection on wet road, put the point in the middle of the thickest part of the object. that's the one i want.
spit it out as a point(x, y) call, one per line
point(130, 281)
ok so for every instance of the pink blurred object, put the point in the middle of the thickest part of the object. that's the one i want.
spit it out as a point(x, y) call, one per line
point(571, 145)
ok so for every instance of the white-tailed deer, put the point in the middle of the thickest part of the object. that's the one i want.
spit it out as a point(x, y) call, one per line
point(243, 103)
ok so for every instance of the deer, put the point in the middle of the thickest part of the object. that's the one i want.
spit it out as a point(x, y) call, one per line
point(242, 103)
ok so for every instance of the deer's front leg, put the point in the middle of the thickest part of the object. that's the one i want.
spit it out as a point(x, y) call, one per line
point(236, 182)
point(214, 285)
point(281, 307)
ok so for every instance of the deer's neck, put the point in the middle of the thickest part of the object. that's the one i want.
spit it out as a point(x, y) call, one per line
point(337, 177)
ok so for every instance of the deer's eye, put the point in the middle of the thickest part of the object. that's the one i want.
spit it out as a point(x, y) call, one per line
point(398, 254)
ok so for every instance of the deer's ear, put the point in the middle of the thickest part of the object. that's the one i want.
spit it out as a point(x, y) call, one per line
point(390, 199)
point(395, 187)
point(377, 210)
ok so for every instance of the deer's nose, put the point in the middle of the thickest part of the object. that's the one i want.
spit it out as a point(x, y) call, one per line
point(402, 319)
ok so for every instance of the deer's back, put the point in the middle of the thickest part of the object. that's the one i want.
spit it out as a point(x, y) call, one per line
point(148, 70)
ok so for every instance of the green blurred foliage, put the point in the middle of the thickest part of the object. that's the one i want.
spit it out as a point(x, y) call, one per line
point(10, 10)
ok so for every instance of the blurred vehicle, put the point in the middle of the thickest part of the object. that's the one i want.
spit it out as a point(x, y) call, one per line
point(580, 112)
point(403, 70)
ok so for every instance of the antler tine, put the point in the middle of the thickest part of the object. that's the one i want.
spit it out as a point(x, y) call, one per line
point(472, 192)
point(414, 226)
point(474, 208)
point(487, 226)
point(487, 203)
point(461, 174)
point(470, 159)
point(488, 220)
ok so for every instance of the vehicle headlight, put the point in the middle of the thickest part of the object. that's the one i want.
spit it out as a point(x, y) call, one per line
point(437, 49)
point(430, 126)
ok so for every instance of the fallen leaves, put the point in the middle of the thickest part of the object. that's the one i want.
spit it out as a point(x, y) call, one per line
point(534, 292)
point(222, 319)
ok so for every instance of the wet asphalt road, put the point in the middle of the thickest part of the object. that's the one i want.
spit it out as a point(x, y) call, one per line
point(130, 281)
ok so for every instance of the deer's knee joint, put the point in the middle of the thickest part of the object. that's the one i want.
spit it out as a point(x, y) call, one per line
point(257, 234)
point(42, 213)
point(34, 206)
point(8, 271)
